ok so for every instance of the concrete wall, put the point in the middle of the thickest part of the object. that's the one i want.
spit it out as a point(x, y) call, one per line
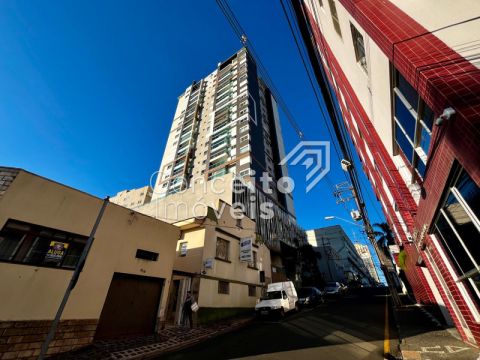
point(34, 293)
point(31, 293)
point(192, 202)
point(201, 245)
point(193, 260)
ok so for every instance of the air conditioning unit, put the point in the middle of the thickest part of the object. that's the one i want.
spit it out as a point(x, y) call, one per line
point(355, 214)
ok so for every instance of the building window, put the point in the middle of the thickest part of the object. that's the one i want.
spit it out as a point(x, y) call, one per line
point(359, 47)
point(413, 125)
point(245, 172)
point(40, 246)
point(458, 229)
point(244, 138)
point(252, 290)
point(333, 12)
point(244, 149)
point(182, 248)
point(253, 263)
point(223, 287)
point(223, 249)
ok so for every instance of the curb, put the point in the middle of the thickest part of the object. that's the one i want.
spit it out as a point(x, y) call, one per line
point(155, 353)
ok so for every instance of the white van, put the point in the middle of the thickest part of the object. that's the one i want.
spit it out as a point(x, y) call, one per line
point(280, 298)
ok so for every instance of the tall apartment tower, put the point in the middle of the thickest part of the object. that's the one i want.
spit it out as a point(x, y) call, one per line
point(408, 88)
point(227, 122)
point(367, 258)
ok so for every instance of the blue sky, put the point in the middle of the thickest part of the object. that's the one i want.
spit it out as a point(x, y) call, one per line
point(88, 88)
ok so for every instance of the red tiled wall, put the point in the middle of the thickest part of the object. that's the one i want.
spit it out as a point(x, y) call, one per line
point(386, 170)
point(443, 78)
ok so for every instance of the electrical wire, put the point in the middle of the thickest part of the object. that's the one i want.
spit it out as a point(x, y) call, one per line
point(241, 34)
point(324, 117)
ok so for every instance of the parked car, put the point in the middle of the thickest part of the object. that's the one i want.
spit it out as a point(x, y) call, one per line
point(334, 288)
point(309, 296)
point(280, 298)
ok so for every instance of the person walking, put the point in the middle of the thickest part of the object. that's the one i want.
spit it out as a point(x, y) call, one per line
point(187, 310)
point(402, 264)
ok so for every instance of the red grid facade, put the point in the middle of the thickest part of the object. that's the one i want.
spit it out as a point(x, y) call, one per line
point(443, 78)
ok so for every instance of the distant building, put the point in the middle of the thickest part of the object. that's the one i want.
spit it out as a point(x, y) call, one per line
point(226, 127)
point(133, 198)
point(339, 260)
point(366, 255)
point(227, 122)
point(123, 287)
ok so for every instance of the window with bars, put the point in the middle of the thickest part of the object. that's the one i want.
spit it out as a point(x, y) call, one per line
point(252, 290)
point(359, 47)
point(457, 227)
point(333, 12)
point(223, 249)
point(223, 287)
point(36, 245)
point(413, 121)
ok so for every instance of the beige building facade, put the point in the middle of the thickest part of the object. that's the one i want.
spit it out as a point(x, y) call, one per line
point(134, 197)
point(208, 263)
point(122, 290)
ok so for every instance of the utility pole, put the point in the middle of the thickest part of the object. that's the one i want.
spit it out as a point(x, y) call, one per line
point(73, 282)
point(379, 252)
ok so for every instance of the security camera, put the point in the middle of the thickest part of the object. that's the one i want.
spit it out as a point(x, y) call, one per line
point(345, 164)
point(446, 115)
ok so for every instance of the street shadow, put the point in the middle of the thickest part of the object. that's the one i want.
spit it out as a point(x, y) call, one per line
point(354, 320)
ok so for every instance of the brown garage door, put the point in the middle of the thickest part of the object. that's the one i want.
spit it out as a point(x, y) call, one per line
point(130, 307)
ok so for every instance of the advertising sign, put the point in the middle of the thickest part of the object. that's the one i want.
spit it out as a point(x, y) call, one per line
point(208, 263)
point(394, 249)
point(246, 249)
point(56, 252)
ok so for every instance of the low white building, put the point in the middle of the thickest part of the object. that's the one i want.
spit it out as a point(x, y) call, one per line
point(340, 260)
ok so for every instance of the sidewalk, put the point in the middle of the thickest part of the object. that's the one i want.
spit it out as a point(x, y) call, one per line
point(170, 339)
point(423, 337)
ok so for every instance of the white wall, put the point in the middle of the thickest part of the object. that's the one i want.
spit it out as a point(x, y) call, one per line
point(435, 14)
point(372, 87)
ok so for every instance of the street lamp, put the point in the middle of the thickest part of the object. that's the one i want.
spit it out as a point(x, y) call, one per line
point(331, 217)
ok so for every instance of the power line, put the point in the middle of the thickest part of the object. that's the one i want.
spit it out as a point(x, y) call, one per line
point(324, 117)
point(241, 34)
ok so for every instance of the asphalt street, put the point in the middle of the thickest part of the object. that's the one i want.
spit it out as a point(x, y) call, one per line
point(353, 327)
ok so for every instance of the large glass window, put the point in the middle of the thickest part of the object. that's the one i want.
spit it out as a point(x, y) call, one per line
point(40, 246)
point(413, 125)
point(403, 142)
point(458, 229)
